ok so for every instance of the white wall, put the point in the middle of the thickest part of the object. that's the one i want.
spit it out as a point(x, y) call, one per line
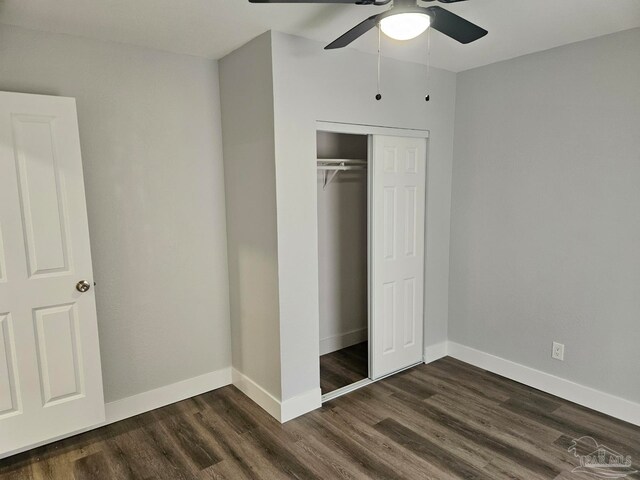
point(246, 88)
point(545, 228)
point(311, 84)
point(342, 246)
point(152, 156)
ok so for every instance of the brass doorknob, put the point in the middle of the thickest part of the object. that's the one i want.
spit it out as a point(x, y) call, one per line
point(83, 286)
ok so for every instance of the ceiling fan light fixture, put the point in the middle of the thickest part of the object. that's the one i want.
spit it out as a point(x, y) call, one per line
point(405, 26)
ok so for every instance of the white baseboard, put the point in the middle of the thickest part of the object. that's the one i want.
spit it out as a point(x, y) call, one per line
point(255, 392)
point(344, 340)
point(296, 406)
point(147, 401)
point(283, 411)
point(160, 397)
point(435, 352)
point(586, 396)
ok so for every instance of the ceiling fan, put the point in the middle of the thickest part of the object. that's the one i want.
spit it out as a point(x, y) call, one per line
point(405, 20)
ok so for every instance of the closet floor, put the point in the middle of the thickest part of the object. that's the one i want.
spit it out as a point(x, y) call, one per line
point(344, 367)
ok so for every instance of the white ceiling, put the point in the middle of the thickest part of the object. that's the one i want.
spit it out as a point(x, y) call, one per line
point(213, 28)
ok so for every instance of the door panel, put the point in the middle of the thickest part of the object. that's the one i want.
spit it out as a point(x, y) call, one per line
point(41, 194)
point(58, 359)
point(389, 317)
point(389, 223)
point(397, 192)
point(49, 350)
point(3, 268)
point(409, 312)
point(8, 391)
point(410, 194)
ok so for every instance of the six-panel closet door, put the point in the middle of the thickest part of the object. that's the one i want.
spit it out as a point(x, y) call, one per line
point(50, 375)
point(396, 235)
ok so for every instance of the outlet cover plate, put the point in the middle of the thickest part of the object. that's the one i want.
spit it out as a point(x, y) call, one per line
point(558, 351)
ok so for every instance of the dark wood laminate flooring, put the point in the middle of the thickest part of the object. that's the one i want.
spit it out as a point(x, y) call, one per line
point(446, 420)
point(344, 367)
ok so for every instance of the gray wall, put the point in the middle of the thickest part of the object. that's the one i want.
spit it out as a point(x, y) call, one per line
point(246, 87)
point(312, 84)
point(545, 228)
point(152, 156)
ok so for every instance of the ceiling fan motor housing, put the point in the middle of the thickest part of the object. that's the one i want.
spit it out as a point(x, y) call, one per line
point(398, 9)
point(405, 3)
point(403, 6)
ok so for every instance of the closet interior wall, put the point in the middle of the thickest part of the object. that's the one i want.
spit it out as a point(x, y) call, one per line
point(342, 245)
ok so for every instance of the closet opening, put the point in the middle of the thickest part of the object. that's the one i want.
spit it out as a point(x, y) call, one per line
point(343, 259)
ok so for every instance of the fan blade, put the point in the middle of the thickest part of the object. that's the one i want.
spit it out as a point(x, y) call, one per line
point(454, 26)
point(354, 33)
point(365, 2)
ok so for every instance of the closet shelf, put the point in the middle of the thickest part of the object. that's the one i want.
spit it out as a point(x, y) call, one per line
point(336, 165)
point(341, 167)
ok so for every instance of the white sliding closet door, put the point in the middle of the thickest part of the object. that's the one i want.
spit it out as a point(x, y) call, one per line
point(397, 193)
point(50, 376)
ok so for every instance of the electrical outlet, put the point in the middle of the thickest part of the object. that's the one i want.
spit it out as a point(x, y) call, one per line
point(558, 351)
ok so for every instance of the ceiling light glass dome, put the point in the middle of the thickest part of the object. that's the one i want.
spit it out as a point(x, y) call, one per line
point(405, 26)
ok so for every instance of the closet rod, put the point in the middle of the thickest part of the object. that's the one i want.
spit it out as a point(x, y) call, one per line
point(341, 161)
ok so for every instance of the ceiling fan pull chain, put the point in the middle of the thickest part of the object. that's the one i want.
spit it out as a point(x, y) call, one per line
point(427, 98)
point(378, 96)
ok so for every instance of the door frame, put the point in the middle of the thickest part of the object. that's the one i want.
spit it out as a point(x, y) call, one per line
point(370, 130)
point(363, 129)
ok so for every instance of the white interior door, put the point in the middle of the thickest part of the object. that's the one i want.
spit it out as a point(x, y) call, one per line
point(50, 376)
point(397, 203)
